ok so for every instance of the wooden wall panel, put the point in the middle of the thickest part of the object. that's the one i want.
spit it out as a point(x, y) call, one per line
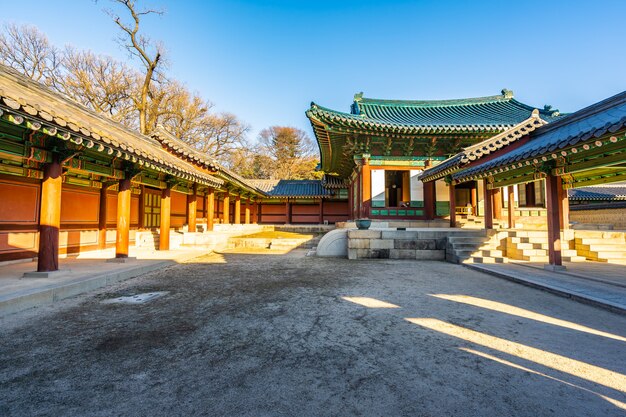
point(179, 203)
point(17, 241)
point(20, 202)
point(79, 206)
point(111, 208)
point(134, 209)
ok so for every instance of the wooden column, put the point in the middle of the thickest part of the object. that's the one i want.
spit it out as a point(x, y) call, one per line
point(321, 219)
point(564, 218)
point(226, 209)
point(210, 209)
point(430, 198)
point(474, 199)
point(487, 193)
point(497, 203)
point(287, 212)
point(166, 205)
point(50, 217)
point(452, 204)
point(554, 206)
point(192, 209)
point(259, 212)
point(350, 202)
point(237, 210)
point(511, 208)
point(102, 218)
point(247, 212)
point(366, 176)
point(123, 219)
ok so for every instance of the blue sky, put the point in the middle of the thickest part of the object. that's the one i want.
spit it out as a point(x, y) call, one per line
point(266, 61)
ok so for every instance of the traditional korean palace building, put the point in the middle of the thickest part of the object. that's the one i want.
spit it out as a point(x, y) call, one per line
point(382, 147)
point(454, 158)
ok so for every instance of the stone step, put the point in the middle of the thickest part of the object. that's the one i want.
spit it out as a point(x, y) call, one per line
point(521, 246)
point(599, 241)
point(486, 260)
point(466, 246)
point(574, 258)
point(604, 254)
point(602, 247)
point(470, 252)
point(526, 239)
point(513, 253)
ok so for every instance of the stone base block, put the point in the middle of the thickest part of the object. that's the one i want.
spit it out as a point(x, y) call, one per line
point(121, 260)
point(46, 274)
point(554, 268)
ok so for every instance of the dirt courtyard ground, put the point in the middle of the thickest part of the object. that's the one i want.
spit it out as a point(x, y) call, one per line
point(289, 335)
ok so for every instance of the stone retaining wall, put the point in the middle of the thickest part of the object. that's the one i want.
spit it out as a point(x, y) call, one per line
point(397, 244)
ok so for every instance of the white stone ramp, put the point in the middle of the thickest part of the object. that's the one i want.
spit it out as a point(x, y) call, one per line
point(333, 244)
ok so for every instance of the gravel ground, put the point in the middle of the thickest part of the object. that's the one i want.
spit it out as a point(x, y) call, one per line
point(270, 335)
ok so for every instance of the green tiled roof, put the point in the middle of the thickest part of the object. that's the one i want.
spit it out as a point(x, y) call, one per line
point(418, 116)
point(413, 124)
point(292, 188)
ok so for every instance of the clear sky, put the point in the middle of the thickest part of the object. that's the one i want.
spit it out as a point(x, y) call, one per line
point(267, 60)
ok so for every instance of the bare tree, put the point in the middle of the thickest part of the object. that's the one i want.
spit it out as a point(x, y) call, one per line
point(149, 53)
point(292, 153)
point(28, 50)
point(101, 83)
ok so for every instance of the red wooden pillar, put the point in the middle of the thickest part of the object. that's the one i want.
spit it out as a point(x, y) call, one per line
point(554, 206)
point(123, 219)
point(166, 205)
point(511, 208)
point(210, 209)
point(238, 210)
point(430, 198)
point(474, 199)
point(366, 178)
point(497, 203)
point(259, 212)
point(321, 211)
point(287, 212)
point(452, 205)
point(102, 218)
point(226, 209)
point(192, 207)
point(564, 202)
point(50, 217)
point(247, 212)
point(488, 208)
point(350, 201)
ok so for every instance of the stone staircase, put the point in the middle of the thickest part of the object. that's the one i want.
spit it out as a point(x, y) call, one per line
point(474, 248)
point(150, 239)
point(532, 246)
point(602, 247)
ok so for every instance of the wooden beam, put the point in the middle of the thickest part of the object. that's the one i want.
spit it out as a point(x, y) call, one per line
point(123, 218)
point(604, 180)
point(50, 217)
point(164, 231)
point(598, 162)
